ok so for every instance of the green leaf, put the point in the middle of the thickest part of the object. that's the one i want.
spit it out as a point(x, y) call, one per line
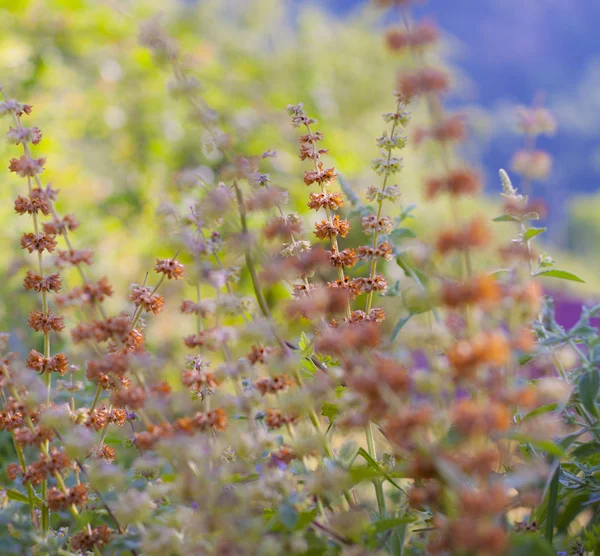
point(399, 326)
point(529, 545)
point(499, 272)
point(533, 232)
point(402, 233)
point(589, 384)
point(543, 445)
point(542, 410)
point(571, 510)
point(348, 452)
point(304, 343)
point(17, 496)
point(552, 502)
point(372, 463)
point(584, 451)
point(505, 218)
point(288, 516)
point(387, 523)
point(330, 410)
point(562, 274)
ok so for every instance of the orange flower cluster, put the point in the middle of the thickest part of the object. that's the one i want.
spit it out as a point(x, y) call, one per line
point(201, 421)
point(473, 235)
point(56, 364)
point(457, 183)
point(101, 416)
point(421, 35)
point(85, 541)
point(59, 500)
point(485, 348)
point(88, 294)
point(273, 384)
point(331, 228)
point(481, 290)
point(275, 419)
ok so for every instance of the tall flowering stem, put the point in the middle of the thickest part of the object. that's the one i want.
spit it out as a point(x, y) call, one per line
point(333, 226)
point(387, 165)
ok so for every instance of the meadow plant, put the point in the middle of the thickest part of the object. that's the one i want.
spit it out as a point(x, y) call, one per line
point(404, 398)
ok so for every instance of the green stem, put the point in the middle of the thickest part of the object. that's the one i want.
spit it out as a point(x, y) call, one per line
point(376, 482)
point(552, 499)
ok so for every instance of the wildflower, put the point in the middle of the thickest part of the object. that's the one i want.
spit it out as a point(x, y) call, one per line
point(74, 257)
point(386, 165)
point(171, 268)
point(345, 258)
point(283, 226)
point(199, 377)
point(346, 284)
point(38, 242)
point(272, 385)
point(321, 301)
point(45, 322)
point(14, 107)
point(48, 192)
point(89, 293)
point(299, 117)
point(56, 364)
point(58, 226)
point(75, 496)
point(282, 457)
point(291, 249)
point(473, 234)
point(371, 378)
point(450, 129)
point(346, 339)
point(204, 308)
point(27, 167)
point(522, 208)
point(373, 225)
point(35, 282)
point(536, 121)
point(482, 290)
point(456, 183)
point(303, 290)
point(275, 419)
point(259, 354)
point(265, 199)
point(405, 428)
point(31, 135)
point(423, 81)
point(333, 227)
point(333, 201)
point(472, 418)
point(85, 541)
point(376, 283)
point(486, 348)
point(143, 297)
point(532, 164)
point(383, 251)
point(320, 176)
point(31, 206)
point(390, 193)
point(35, 436)
point(132, 398)
point(421, 35)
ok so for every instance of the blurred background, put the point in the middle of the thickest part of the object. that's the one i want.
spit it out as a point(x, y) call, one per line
point(117, 140)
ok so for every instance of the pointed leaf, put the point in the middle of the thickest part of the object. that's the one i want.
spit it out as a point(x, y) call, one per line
point(562, 274)
point(399, 326)
point(589, 384)
point(532, 232)
point(505, 218)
